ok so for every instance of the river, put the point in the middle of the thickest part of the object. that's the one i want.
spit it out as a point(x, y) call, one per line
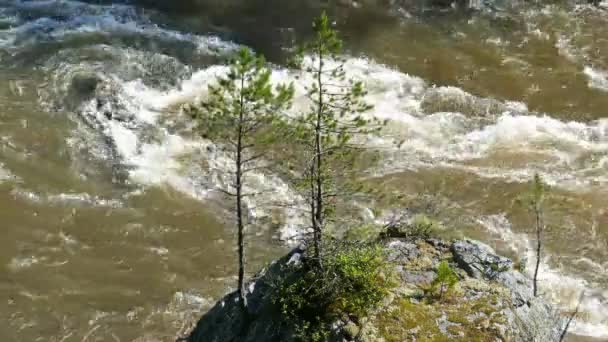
point(112, 230)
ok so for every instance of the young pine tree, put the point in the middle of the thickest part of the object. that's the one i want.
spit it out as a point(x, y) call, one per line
point(537, 207)
point(239, 112)
point(534, 200)
point(327, 129)
point(446, 279)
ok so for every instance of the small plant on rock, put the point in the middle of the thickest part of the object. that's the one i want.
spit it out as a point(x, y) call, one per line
point(419, 227)
point(445, 281)
point(354, 280)
point(424, 227)
point(535, 201)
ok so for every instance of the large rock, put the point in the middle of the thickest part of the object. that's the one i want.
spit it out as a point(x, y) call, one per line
point(526, 318)
point(532, 318)
point(479, 260)
point(262, 322)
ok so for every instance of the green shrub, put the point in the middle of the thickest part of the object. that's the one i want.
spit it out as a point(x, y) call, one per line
point(354, 279)
point(424, 227)
point(521, 265)
point(420, 227)
point(446, 279)
point(418, 294)
point(366, 232)
point(361, 273)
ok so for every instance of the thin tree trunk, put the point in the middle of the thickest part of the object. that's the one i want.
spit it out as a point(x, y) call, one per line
point(571, 318)
point(239, 201)
point(539, 246)
point(319, 161)
point(313, 211)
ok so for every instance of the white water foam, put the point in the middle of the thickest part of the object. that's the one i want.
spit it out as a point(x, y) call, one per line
point(482, 130)
point(175, 160)
point(444, 138)
point(19, 263)
point(477, 130)
point(127, 115)
point(474, 129)
point(5, 175)
point(598, 79)
point(81, 18)
point(66, 199)
point(562, 289)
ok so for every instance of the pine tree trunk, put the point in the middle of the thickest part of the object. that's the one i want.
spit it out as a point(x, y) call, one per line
point(319, 163)
point(572, 317)
point(539, 242)
point(239, 204)
point(313, 211)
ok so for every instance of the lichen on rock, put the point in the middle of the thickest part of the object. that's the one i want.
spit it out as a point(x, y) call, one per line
point(491, 302)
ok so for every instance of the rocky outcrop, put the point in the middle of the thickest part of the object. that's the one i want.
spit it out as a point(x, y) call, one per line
point(492, 302)
point(533, 319)
point(262, 321)
point(479, 260)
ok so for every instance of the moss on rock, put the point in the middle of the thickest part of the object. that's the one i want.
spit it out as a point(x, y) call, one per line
point(477, 309)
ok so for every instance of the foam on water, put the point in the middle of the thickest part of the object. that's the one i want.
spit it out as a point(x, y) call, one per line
point(598, 79)
point(19, 263)
point(429, 127)
point(449, 139)
point(126, 111)
point(482, 129)
point(5, 175)
point(79, 19)
point(562, 289)
point(66, 199)
point(575, 45)
point(472, 128)
point(415, 138)
point(175, 160)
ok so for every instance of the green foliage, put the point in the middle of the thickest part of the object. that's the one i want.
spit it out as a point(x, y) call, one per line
point(366, 232)
point(362, 273)
point(355, 278)
point(418, 294)
point(242, 104)
point(538, 190)
point(420, 227)
point(327, 129)
point(534, 199)
point(240, 111)
point(521, 266)
point(446, 279)
point(497, 268)
point(424, 227)
point(312, 331)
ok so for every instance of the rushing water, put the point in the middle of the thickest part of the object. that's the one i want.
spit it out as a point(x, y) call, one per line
point(112, 230)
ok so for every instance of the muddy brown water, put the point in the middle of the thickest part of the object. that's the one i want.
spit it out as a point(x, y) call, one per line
point(108, 233)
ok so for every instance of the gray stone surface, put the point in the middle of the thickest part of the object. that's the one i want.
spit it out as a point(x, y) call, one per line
point(417, 277)
point(526, 317)
point(532, 318)
point(479, 259)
